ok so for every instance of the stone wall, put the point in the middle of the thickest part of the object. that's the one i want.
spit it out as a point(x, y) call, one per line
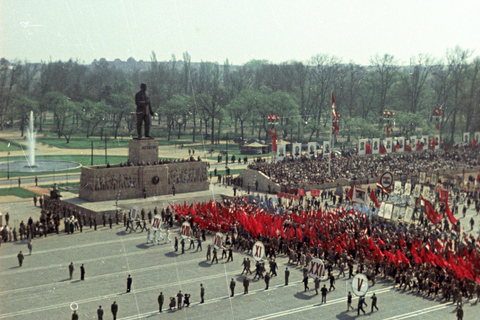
point(249, 177)
point(102, 183)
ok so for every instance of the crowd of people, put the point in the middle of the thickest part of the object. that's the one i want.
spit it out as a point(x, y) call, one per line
point(315, 171)
point(417, 257)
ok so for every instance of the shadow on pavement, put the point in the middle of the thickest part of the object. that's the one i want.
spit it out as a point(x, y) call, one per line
point(204, 264)
point(305, 295)
point(143, 246)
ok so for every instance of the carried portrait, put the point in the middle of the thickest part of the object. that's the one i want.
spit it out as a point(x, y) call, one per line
point(423, 176)
point(388, 211)
point(417, 191)
point(408, 214)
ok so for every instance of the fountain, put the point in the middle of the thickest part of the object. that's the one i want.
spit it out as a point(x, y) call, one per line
point(31, 138)
point(31, 165)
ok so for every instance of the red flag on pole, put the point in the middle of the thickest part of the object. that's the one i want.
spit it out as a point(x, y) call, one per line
point(335, 114)
point(374, 199)
point(449, 214)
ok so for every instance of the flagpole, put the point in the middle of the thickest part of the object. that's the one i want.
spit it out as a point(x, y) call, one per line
point(331, 143)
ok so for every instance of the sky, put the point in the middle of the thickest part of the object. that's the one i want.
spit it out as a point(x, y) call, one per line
point(216, 30)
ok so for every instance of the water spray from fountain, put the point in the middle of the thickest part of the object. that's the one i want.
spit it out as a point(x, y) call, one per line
point(31, 138)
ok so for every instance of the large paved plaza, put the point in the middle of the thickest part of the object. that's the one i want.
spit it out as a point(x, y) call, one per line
point(42, 289)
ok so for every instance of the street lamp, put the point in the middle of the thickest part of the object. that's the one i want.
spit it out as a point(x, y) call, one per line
point(8, 165)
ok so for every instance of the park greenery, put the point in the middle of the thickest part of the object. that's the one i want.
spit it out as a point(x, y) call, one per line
point(73, 102)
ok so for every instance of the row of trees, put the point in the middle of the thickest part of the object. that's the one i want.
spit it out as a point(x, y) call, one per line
point(209, 98)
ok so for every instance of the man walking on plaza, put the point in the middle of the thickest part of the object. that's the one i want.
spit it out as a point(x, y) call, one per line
point(129, 283)
point(100, 313)
point(324, 294)
point(361, 302)
point(232, 287)
point(70, 270)
point(29, 245)
point(374, 302)
point(202, 293)
point(20, 258)
point(246, 283)
point(287, 274)
point(114, 309)
point(82, 272)
point(161, 299)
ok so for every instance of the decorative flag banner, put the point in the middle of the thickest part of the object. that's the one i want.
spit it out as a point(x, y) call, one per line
point(362, 147)
point(315, 193)
point(326, 149)
point(376, 146)
point(281, 149)
point(466, 138)
point(388, 142)
point(297, 150)
point(400, 146)
point(312, 150)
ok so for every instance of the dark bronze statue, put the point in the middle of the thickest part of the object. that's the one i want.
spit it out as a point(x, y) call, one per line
point(144, 111)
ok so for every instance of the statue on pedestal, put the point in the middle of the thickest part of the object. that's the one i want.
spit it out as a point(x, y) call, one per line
point(144, 111)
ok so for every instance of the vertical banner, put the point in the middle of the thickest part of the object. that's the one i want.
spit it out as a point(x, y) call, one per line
point(281, 152)
point(388, 211)
point(424, 142)
point(375, 146)
point(476, 136)
point(466, 138)
point(362, 147)
point(297, 150)
point(400, 144)
point(326, 149)
point(413, 142)
point(388, 144)
point(437, 141)
point(312, 150)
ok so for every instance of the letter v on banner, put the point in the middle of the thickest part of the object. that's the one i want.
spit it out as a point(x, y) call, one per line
point(360, 285)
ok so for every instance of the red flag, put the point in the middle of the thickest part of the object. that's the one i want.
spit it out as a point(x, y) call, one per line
point(419, 146)
point(431, 214)
point(371, 245)
point(301, 192)
point(382, 187)
point(382, 149)
point(380, 242)
point(315, 193)
point(350, 193)
point(369, 149)
point(335, 115)
point(443, 196)
point(374, 199)
point(450, 216)
point(299, 234)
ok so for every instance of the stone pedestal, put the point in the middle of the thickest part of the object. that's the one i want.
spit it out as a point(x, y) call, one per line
point(143, 151)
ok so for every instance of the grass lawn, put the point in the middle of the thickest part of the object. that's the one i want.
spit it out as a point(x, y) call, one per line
point(4, 146)
point(16, 191)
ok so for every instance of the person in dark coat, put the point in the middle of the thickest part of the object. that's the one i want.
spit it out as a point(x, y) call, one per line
point(179, 299)
point(129, 283)
point(161, 299)
point(74, 315)
point(374, 302)
point(82, 272)
point(20, 258)
point(70, 270)
point(361, 302)
point(305, 283)
point(114, 309)
point(202, 293)
point(246, 283)
point(324, 294)
point(232, 287)
point(287, 274)
point(100, 313)
point(267, 280)
point(186, 300)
